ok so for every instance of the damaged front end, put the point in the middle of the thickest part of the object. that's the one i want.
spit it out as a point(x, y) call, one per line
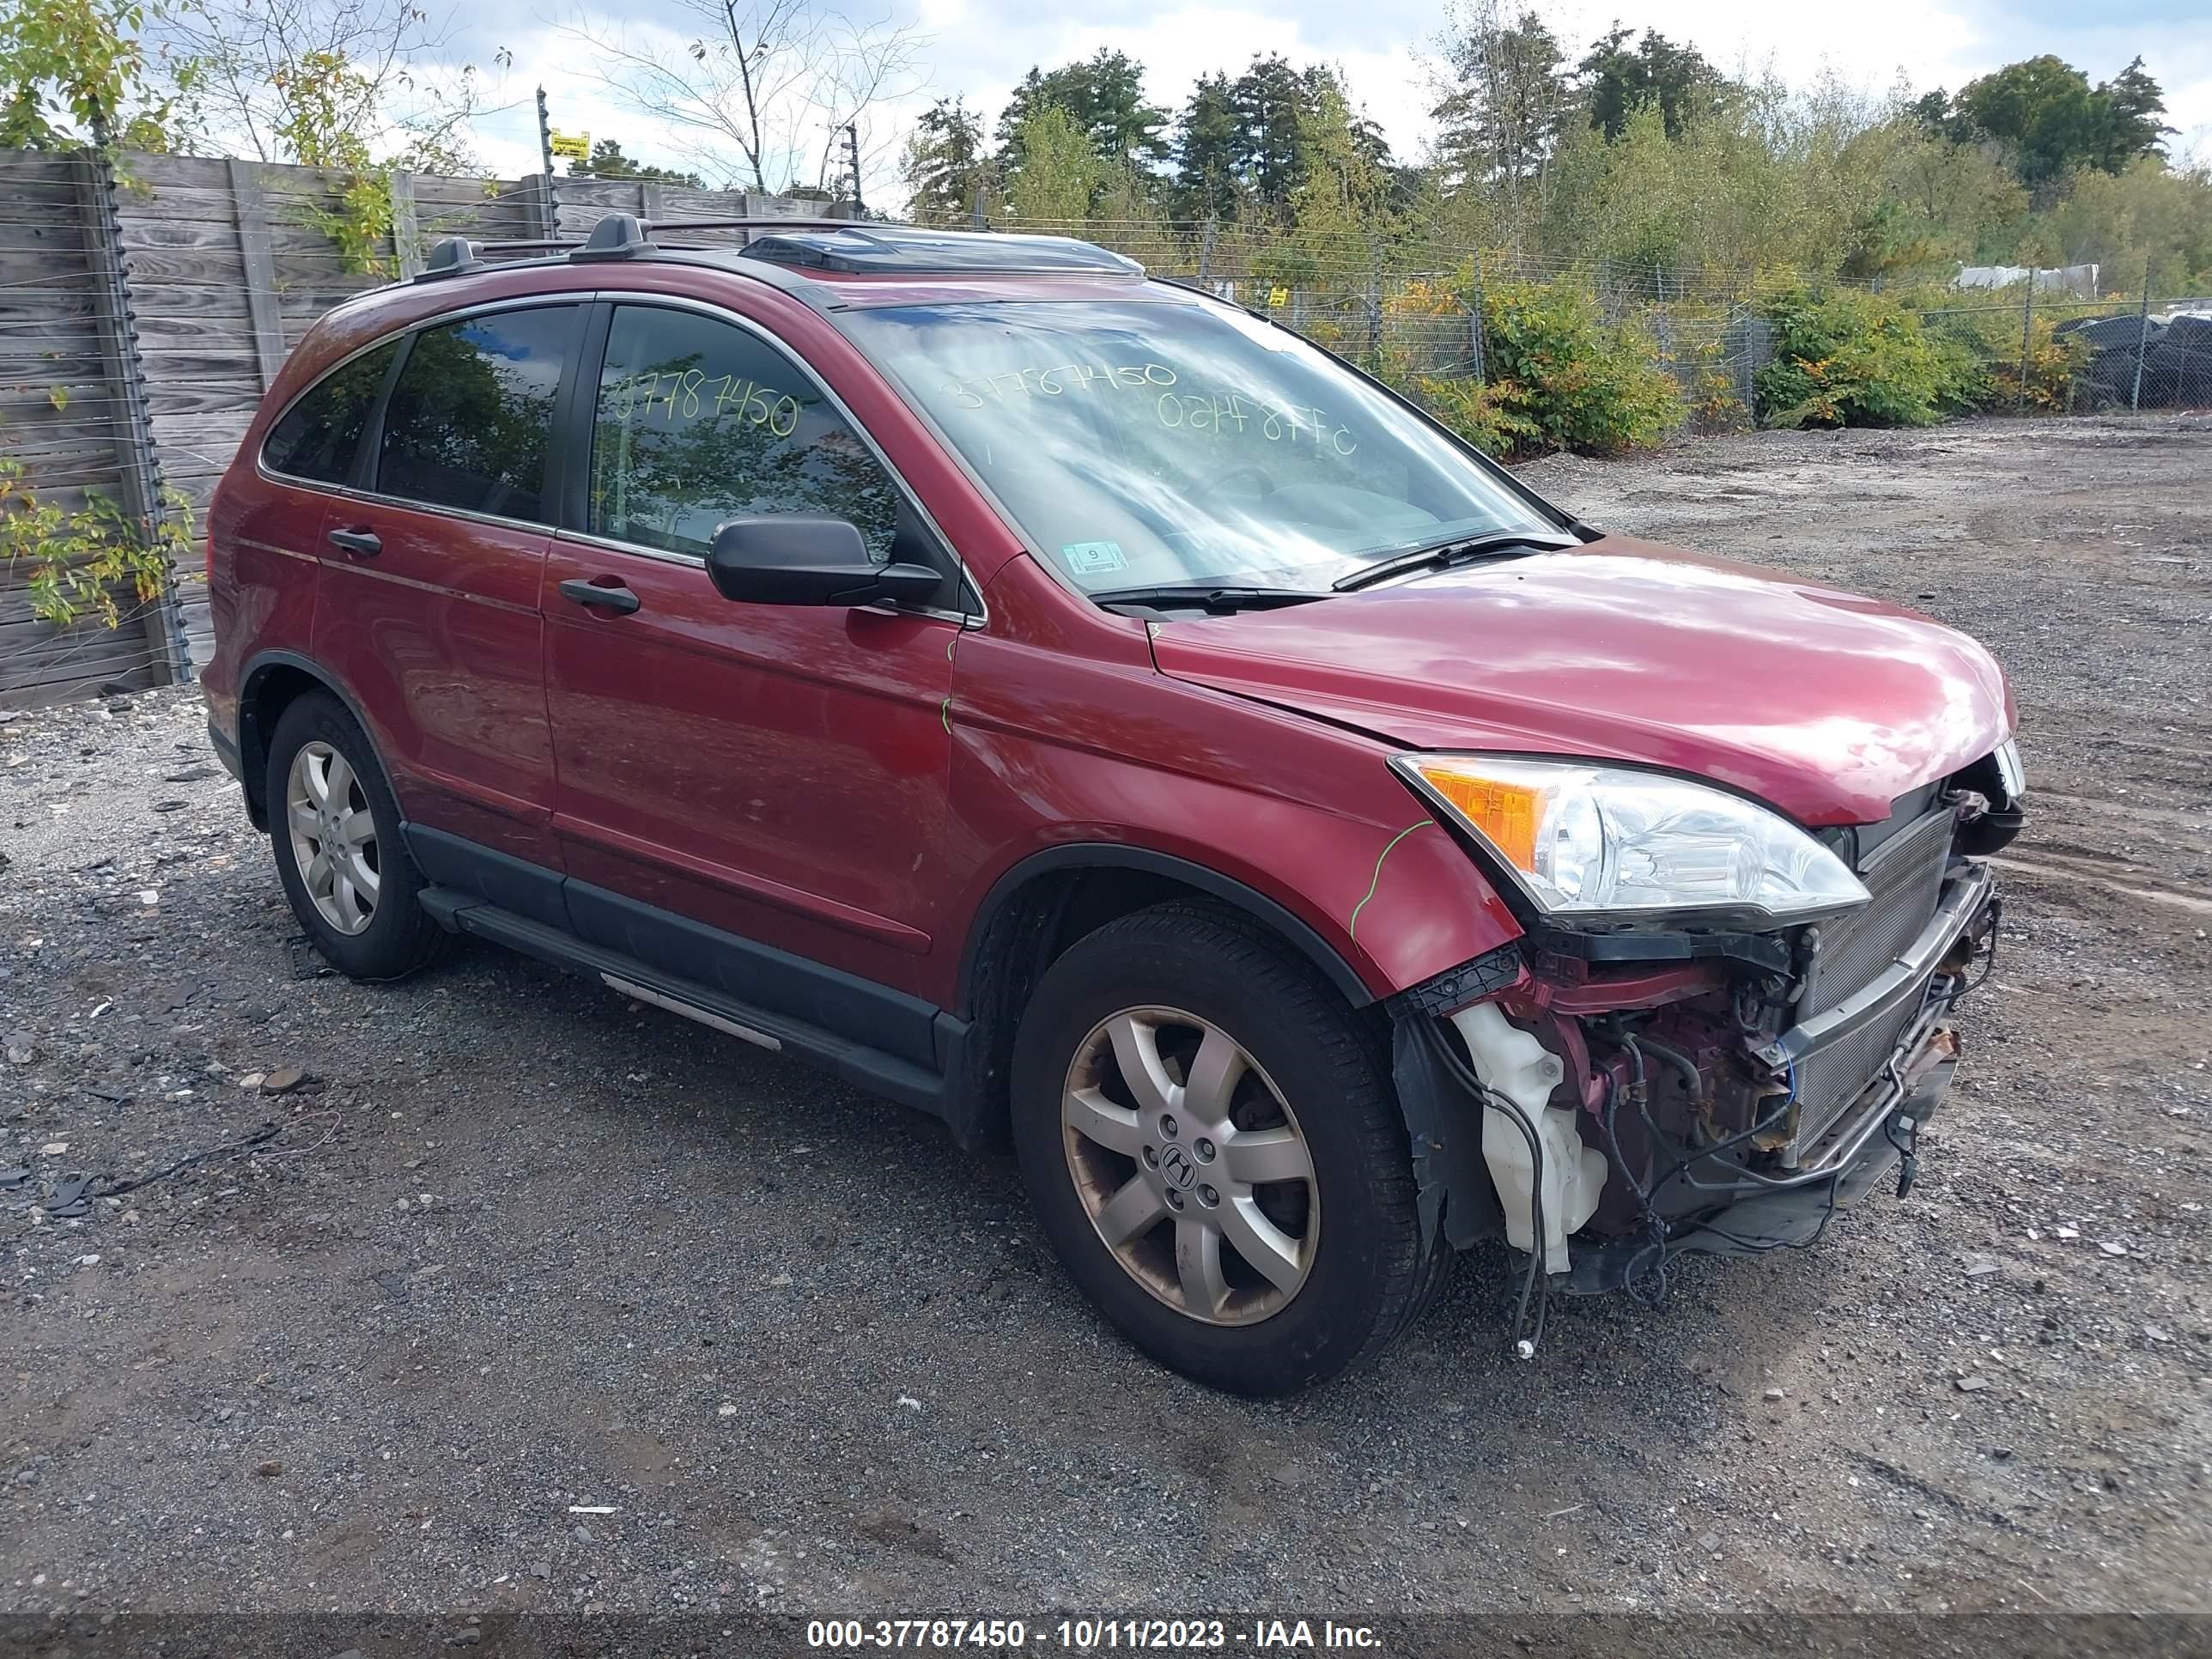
point(1605, 1097)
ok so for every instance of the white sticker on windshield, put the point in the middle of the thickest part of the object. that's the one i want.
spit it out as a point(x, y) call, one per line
point(1094, 558)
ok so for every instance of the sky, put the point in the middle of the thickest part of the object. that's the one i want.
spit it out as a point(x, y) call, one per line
point(980, 48)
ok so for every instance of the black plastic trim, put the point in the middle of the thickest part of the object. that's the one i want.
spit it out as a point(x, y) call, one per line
point(253, 743)
point(574, 414)
point(1769, 952)
point(360, 472)
point(890, 1075)
point(449, 860)
point(1471, 981)
point(1108, 856)
point(758, 976)
point(227, 751)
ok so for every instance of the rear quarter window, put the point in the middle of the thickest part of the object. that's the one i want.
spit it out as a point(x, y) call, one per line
point(318, 435)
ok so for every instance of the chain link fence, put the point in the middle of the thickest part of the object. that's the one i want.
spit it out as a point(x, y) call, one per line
point(1412, 307)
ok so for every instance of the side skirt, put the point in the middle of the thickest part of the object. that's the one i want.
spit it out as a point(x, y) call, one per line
point(934, 1091)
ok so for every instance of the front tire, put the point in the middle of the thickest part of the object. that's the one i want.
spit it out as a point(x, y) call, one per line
point(335, 829)
point(1212, 1148)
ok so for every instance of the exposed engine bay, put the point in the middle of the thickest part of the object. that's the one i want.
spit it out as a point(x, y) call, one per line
point(1644, 1092)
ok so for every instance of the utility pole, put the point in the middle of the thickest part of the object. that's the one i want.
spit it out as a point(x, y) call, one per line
point(853, 150)
point(549, 205)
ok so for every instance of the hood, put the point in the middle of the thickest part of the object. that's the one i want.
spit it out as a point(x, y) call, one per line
point(1825, 704)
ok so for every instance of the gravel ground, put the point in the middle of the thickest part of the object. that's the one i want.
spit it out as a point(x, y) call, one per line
point(513, 1249)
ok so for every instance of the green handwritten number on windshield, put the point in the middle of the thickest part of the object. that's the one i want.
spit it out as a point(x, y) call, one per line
point(1178, 411)
point(1054, 380)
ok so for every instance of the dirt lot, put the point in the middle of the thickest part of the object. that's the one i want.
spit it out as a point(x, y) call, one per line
point(514, 1248)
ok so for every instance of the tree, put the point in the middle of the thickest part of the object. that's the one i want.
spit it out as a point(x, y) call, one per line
point(765, 87)
point(1504, 103)
point(322, 82)
point(73, 69)
point(1960, 199)
point(1615, 79)
point(2132, 103)
point(608, 161)
point(2054, 122)
point(2042, 108)
point(1208, 164)
point(1350, 188)
point(1059, 170)
point(944, 165)
point(1272, 102)
point(1105, 97)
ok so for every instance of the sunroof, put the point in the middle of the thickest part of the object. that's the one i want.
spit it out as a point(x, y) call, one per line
point(888, 248)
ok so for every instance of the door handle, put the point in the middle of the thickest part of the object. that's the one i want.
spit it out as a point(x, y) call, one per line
point(364, 542)
point(618, 597)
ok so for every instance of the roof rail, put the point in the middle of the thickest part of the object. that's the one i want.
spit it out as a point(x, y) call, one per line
point(755, 221)
point(449, 256)
point(801, 243)
point(615, 237)
point(457, 255)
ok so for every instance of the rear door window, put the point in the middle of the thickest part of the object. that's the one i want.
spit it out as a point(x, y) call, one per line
point(317, 438)
point(470, 418)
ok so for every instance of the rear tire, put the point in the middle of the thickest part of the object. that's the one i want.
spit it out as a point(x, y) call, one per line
point(334, 827)
point(1259, 1112)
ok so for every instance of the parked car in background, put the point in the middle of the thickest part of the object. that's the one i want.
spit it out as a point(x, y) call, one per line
point(1083, 710)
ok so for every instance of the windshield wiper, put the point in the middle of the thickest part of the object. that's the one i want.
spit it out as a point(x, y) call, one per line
point(1208, 596)
point(1456, 551)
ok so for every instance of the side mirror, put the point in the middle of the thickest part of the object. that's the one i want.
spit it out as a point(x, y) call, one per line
point(791, 560)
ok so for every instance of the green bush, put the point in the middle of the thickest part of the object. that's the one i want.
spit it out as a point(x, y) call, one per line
point(1471, 409)
point(1561, 378)
point(1849, 358)
point(1983, 351)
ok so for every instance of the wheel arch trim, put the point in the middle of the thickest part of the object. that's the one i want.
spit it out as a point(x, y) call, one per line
point(253, 742)
point(1112, 855)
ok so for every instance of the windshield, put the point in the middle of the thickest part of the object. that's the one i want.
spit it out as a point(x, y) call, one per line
point(1148, 443)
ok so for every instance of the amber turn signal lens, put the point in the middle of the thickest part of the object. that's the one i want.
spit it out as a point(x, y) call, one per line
point(1508, 814)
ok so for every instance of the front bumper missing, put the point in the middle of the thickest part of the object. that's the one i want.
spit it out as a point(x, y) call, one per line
point(1794, 1215)
point(1869, 1142)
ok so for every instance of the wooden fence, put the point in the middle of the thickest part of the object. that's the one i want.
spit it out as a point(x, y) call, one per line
point(145, 308)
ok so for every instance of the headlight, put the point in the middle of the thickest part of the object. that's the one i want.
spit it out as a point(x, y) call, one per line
point(1588, 840)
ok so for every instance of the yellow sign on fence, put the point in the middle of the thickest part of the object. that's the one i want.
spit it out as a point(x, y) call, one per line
point(577, 145)
point(1278, 298)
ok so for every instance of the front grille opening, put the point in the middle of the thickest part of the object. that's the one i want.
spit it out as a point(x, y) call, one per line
point(1904, 877)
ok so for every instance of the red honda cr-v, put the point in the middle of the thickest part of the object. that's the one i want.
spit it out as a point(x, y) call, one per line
point(1080, 708)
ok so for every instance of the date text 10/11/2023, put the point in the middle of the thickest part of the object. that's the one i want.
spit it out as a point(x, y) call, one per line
point(1220, 413)
point(1259, 1636)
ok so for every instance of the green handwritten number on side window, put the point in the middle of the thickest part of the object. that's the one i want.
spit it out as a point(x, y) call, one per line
point(689, 394)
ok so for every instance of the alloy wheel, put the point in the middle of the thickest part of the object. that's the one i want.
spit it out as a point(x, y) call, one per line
point(1191, 1165)
point(334, 840)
